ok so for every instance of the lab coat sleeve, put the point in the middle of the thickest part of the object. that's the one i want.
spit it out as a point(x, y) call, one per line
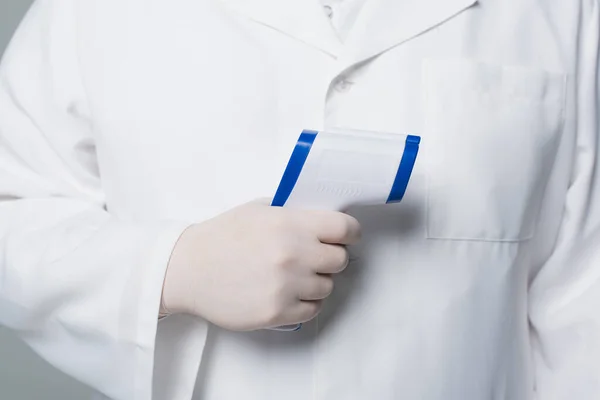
point(77, 284)
point(564, 297)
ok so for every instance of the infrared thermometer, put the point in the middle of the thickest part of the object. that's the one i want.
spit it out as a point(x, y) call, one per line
point(336, 169)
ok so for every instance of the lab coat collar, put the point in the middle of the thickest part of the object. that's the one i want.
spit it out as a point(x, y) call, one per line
point(381, 25)
point(384, 24)
point(304, 20)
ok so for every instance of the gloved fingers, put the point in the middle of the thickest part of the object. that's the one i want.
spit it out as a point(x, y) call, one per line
point(316, 287)
point(330, 259)
point(334, 227)
point(303, 311)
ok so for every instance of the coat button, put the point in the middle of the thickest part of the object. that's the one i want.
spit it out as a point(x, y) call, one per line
point(342, 85)
point(328, 11)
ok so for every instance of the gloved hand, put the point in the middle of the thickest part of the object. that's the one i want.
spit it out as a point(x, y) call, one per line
point(258, 266)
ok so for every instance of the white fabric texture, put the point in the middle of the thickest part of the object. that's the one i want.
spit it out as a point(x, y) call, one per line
point(123, 121)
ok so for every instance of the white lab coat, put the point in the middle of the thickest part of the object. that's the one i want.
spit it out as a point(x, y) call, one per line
point(123, 121)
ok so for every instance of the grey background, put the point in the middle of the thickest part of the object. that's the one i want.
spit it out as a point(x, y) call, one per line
point(23, 375)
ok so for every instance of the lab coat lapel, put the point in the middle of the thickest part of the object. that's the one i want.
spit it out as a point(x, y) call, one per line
point(384, 24)
point(300, 19)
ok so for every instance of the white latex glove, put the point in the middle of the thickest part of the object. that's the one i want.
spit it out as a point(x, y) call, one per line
point(258, 266)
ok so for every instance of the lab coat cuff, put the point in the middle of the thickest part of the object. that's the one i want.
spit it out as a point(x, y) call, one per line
point(154, 266)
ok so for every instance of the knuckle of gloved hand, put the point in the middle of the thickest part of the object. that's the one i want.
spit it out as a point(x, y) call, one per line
point(340, 259)
point(284, 256)
point(352, 230)
point(341, 229)
point(356, 228)
point(277, 289)
point(334, 259)
point(273, 313)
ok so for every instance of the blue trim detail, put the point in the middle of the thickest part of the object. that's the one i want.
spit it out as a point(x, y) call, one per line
point(288, 181)
point(294, 167)
point(405, 169)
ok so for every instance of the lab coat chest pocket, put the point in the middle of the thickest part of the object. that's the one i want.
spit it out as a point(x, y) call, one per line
point(491, 136)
